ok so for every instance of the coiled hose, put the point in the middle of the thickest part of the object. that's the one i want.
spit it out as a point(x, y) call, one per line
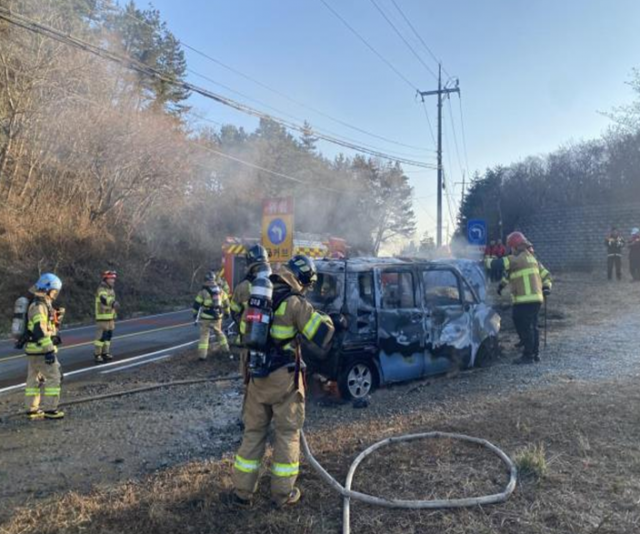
point(346, 491)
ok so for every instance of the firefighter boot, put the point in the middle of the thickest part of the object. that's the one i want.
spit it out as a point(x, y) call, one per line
point(98, 358)
point(54, 414)
point(231, 499)
point(293, 498)
point(35, 415)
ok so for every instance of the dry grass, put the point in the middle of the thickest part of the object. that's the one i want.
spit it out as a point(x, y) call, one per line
point(582, 446)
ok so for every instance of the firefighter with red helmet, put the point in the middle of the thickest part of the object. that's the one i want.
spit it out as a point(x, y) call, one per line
point(106, 310)
point(530, 284)
point(276, 391)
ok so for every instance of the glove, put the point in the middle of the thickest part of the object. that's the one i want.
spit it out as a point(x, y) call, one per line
point(546, 291)
point(499, 290)
point(56, 340)
point(50, 358)
point(116, 305)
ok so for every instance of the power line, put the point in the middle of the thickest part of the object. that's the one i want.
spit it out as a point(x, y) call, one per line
point(399, 33)
point(146, 70)
point(406, 19)
point(370, 47)
point(426, 114)
point(464, 137)
point(276, 91)
point(455, 136)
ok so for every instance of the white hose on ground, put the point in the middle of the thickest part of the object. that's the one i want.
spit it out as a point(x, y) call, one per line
point(348, 494)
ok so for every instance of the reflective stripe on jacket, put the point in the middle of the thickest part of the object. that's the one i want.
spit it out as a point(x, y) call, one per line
point(105, 298)
point(295, 315)
point(526, 277)
point(211, 310)
point(239, 301)
point(41, 326)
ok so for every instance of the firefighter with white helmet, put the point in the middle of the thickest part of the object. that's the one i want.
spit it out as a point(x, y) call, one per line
point(209, 307)
point(276, 389)
point(106, 310)
point(43, 375)
point(530, 284)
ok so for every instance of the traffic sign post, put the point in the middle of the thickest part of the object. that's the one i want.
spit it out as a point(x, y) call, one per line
point(477, 232)
point(277, 228)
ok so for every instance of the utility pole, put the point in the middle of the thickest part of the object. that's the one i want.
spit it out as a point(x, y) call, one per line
point(440, 92)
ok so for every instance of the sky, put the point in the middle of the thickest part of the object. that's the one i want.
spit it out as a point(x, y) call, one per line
point(534, 74)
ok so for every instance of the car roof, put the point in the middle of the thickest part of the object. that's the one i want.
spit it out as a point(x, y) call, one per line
point(367, 263)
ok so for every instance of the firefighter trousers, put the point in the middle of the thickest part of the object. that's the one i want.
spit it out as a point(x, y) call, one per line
point(525, 319)
point(104, 333)
point(614, 260)
point(43, 380)
point(206, 327)
point(273, 398)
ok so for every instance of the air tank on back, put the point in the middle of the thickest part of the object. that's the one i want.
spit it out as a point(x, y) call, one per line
point(259, 310)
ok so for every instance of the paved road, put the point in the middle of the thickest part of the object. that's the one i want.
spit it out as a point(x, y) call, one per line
point(135, 341)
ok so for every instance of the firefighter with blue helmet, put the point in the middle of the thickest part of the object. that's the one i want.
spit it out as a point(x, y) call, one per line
point(276, 391)
point(43, 375)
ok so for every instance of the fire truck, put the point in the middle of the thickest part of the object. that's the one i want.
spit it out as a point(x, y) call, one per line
point(234, 250)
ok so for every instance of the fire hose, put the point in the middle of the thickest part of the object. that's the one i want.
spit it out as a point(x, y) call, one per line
point(345, 491)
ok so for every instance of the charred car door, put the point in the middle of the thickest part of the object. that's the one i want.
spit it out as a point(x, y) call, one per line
point(448, 303)
point(400, 323)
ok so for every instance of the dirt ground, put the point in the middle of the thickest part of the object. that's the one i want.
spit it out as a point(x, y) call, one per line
point(156, 462)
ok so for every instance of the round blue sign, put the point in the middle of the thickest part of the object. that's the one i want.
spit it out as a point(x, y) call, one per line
point(277, 231)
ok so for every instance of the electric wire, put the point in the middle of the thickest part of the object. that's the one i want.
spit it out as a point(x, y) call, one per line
point(464, 137)
point(406, 19)
point(278, 92)
point(69, 93)
point(132, 64)
point(404, 40)
point(369, 46)
point(455, 136)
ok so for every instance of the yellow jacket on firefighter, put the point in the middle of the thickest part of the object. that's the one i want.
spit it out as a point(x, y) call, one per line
point(204, 303)
point(526, 277)
point(105, 300)
point(41, 327)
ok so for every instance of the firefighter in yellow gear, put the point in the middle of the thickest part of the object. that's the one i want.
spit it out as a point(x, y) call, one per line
point(43, 375)
point(209, 307)
point(256, 259)
point(530, 283)
point(276, 390)
point(106, 310)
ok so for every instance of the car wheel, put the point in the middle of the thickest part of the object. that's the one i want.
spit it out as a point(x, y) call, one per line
point(358, 379)
point(488, 352)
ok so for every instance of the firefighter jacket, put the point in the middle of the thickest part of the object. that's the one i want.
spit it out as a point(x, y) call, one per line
point(239, 300)
point(614, 246)
point(210, 306)
point(294, 315)
point(105, 300)
point(41, 326)
point(526, 277)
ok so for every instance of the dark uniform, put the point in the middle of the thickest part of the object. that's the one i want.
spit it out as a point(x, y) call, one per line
point(614, 244)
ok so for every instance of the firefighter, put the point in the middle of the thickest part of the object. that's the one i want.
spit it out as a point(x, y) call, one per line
point(615, 244)
point(41, 349)
point(106, 307)
point(276, 389)
point(256, 259)
point(209, 307)
point(530, 284)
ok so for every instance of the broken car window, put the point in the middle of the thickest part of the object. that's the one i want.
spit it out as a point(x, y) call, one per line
point(397, 289)
point(365, 289)
point(441, 288)
point(325, 290)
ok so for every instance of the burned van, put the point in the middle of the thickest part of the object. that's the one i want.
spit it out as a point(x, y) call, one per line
point(404, 320)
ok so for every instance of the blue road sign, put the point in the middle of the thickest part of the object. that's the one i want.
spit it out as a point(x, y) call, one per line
point(277, 231)
point(477, 232)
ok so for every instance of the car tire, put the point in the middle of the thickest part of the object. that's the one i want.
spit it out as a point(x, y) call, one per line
point(488, 352)
point(358, 379)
